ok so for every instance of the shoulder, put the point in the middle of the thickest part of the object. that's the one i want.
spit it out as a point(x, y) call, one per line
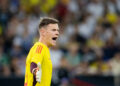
point(39, 48)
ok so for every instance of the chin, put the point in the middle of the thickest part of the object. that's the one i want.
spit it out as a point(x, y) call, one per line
point(53, 44)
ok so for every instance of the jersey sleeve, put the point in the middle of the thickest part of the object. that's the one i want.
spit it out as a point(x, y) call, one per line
point(38, 54)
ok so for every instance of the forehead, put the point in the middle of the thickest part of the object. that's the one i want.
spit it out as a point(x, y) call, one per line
point(53, 26)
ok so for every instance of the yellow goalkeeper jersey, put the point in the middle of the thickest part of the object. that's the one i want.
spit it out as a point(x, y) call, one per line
point(39, 53)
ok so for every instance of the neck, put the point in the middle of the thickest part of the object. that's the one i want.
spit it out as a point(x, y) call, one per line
point(42, 40)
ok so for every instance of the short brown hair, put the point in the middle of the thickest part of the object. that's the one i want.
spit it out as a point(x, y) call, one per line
point(47, 20)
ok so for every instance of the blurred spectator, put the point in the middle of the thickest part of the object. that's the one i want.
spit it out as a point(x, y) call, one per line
point(4, 63)
point(109, 49)
point(4, 60)
point(6, 71)
point(61, 9)
point(16, 71)
point(98, 67)
point(64, 82)
point(114, 64)
point(73, 57)
point(113, 6)
point(95, 42)
point(82, 69)
point(4, 14)
point(95, 7)
point(88, 54)
point(86, 25)
point(16, 50)
point(63, 38)
point(73, 6)
point(56, 56)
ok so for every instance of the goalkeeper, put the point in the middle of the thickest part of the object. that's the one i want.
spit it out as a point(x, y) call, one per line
point(38, 63)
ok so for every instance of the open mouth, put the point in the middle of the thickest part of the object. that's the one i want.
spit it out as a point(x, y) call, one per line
point(54, 38)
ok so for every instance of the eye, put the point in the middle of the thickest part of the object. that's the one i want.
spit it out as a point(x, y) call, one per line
point(53, 29)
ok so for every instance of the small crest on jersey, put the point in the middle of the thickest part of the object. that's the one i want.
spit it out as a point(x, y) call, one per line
point(39, 49)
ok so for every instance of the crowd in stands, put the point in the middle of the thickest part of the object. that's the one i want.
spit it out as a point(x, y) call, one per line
point(89, 41)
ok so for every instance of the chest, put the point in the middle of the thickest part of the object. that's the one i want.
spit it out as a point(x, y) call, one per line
point(47, 63)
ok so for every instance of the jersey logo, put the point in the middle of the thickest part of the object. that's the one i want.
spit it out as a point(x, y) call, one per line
point(39, 49)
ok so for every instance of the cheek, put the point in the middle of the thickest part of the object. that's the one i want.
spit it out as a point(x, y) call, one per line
point(48, 35)
point(44, 34)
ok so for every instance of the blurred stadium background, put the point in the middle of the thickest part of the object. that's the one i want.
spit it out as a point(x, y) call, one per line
point(88, 49)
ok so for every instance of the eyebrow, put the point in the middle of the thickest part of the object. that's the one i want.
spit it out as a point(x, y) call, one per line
point(56, 29)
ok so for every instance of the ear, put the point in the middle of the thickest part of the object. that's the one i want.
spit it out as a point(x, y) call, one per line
point(42, 31)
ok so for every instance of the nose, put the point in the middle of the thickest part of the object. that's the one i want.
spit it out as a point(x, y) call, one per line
point(57, 33)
